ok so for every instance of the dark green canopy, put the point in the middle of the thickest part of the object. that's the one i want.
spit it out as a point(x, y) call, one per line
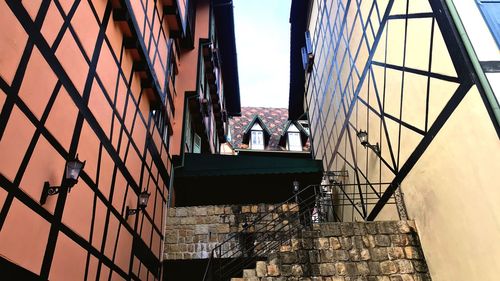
point(229, 165)
point(208, 179)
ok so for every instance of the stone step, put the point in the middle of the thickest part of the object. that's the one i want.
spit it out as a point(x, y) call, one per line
point(249, 273)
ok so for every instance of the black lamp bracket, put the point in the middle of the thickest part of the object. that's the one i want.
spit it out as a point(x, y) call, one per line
point(374, 147)
point(48, 191)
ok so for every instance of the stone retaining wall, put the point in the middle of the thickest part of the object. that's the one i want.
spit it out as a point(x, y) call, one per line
point(371, 251)
point(192, 232)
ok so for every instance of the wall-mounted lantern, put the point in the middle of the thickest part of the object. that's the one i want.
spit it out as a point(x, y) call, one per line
point(296, 185)
point(71, 175)
point(363, 138)
point(143, 202)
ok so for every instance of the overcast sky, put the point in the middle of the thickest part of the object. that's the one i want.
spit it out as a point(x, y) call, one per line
point(263, 46)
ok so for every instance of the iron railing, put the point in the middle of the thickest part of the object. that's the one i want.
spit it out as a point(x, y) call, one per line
point(272, 231)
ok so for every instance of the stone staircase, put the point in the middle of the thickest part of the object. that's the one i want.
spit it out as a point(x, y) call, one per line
point(357, 251)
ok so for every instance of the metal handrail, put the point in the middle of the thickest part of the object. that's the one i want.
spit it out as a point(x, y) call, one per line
point(314, 203)
point(264, 229)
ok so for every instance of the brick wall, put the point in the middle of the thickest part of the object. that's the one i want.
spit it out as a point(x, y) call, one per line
point(192, 232)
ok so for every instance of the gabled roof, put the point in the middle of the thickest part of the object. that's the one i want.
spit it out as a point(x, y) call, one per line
point(248, 130)
point(303, 133)
point(273, 119)
point(257, 119)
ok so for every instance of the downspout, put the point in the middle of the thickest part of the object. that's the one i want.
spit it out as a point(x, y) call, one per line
point(483, 81)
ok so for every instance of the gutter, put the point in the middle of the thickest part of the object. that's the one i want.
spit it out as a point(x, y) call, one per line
point(483, 81)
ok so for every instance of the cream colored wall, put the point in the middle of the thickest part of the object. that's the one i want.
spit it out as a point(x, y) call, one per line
point(453, 192)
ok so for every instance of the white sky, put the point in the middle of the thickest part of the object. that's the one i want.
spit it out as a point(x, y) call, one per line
point(263, 47)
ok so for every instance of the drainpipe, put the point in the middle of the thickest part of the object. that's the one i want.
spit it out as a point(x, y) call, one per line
point(483, 81)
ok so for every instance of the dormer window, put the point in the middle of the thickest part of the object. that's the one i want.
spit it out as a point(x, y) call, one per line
point(257, 137)
point(294, 142)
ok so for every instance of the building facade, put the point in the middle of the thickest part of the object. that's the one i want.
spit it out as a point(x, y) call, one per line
point(402, 100)
point(104, 83)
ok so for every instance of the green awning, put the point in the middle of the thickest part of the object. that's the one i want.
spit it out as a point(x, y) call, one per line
point(202, 165)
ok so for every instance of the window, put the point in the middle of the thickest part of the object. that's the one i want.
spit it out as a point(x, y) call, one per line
point(294, 141)
point(188, 135)
point(491, 14)
point(161, 124)
point(197, 144)
point(257, 137)
point(257, 140)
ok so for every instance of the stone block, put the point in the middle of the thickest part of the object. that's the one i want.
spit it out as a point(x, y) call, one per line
point(382, 240)
point(328, 269)
point(400, 240)
point(254, 209)
point(188, 220)
point(396, 278)
point(310, 234)
point(171, 237)
point(354, 255)
point(330, 229)
point(180, 212)
point(237, 279)
point(273, 270)
point(218, 210)
point(296, 244)
point(413, 253)
point(357, 242)
point(346, 243)
point(288, 257)
point(364, 254)
point(286, 270)
point(379, 254)
point(261, 268)
point(273, 259)
point(297, 270)
point(249, 273)
point(321, 243)
point(334, 243)
point(245, 209)
point(387, 227)
point(403, 227)
point(395, 253)
point(407, 277)
point(347, 228)
point(307, 243)
point(334, 255)
point(302, 256)
point(388, 267)
point(363, 268)
point(210, 210)
point(359, 228)
point(405, 266)
point(314, 256)
point(368, 241)
point(222, 228)
point(371, 227)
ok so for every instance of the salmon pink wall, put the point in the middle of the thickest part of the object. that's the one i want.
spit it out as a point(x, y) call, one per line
point(68, 86)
